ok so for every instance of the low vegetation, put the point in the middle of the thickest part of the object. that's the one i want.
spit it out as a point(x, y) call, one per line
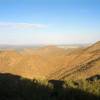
point(14, 87)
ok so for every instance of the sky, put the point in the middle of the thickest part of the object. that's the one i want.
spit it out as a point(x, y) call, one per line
point(49, 21)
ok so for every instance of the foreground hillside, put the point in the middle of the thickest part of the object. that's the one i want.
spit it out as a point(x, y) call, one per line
point(14, 87)
point(52, 62)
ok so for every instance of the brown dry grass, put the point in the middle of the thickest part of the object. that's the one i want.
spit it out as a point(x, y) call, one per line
point(52, 62)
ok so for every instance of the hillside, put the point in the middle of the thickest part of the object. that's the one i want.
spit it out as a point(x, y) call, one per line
point(15, 87)
point(80, 64)
point(52, 62)
point(31, 62)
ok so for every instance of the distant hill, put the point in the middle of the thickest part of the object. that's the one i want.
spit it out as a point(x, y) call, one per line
point(52, 62)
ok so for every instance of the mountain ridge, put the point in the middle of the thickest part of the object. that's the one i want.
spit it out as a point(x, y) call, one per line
point(52, 62)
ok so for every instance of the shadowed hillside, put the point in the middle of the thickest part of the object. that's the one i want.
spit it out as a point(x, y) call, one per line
point(13, 87)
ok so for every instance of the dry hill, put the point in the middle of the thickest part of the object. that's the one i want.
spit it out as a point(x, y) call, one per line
point(52, 62)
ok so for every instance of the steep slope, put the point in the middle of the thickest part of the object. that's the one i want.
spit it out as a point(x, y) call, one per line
point(80, 64)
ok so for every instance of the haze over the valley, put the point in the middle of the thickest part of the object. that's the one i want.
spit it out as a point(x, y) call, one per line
point(49, 22)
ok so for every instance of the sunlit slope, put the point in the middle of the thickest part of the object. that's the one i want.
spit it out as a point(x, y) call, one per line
point(32, 62)
point(80, 64)
point(52, 62)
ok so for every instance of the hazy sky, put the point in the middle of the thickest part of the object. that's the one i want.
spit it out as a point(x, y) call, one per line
point(49, 21)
